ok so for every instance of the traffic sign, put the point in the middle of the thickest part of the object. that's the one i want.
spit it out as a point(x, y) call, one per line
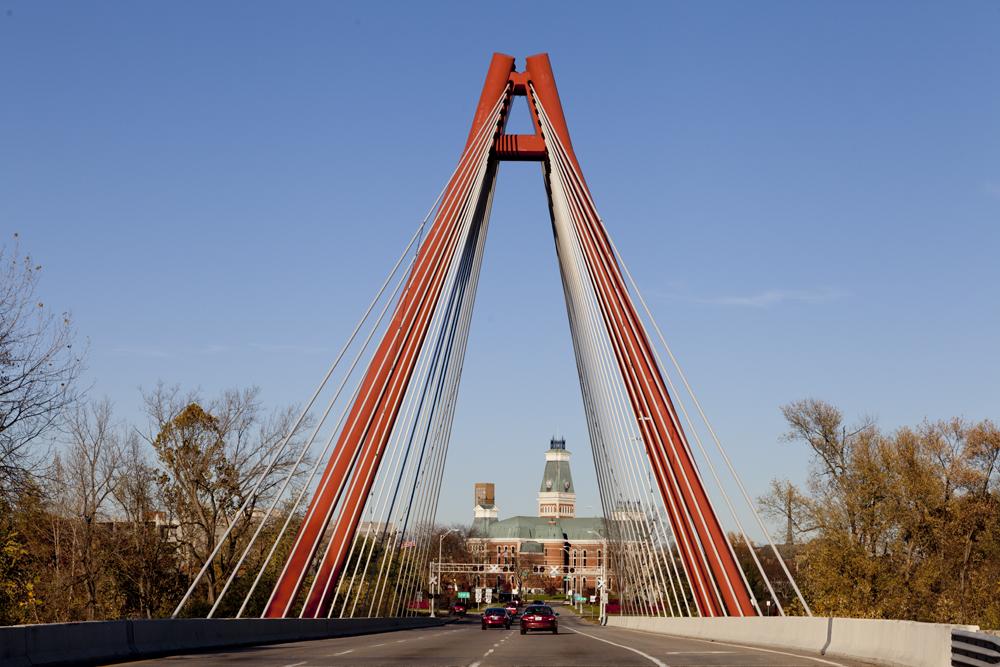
point(581, 598)
point(600, 582)
point(463, 595)
point(489, 595)
point(479, 595)
point(554, 571)
point(434, 580)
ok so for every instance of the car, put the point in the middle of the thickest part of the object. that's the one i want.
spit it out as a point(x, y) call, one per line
point(539, 617)
point(458, 609)
point(511, 608)
point(495, 617)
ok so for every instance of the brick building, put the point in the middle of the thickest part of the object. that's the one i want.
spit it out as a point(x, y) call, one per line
point(555, 537)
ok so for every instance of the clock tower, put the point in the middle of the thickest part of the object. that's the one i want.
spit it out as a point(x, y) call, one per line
point(556, 496)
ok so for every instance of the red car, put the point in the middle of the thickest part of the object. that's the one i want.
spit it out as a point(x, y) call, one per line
point(496, 617)
point(539, 617)
point(458, 609)
point(511, 608)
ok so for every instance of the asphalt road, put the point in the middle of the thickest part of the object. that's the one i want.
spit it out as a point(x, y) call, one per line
point(464, 644)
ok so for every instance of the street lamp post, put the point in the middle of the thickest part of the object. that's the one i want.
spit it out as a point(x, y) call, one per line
point(602, 593)
point(437, 585)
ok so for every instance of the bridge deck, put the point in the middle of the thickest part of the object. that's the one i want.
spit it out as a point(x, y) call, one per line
point(579, 644)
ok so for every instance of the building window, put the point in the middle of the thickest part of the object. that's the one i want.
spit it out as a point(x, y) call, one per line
point(585, 558)
point(598, 558)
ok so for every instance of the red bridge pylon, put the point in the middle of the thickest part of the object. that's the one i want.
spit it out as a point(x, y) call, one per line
point(591, 274)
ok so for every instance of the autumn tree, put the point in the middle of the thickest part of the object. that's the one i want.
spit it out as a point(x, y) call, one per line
point(903, 524)
point(212, 460)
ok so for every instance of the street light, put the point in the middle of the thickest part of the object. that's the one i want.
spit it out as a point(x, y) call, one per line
point(603, 595)
point(438, 585)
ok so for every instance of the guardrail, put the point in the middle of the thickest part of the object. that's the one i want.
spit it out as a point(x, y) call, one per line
point(885, 642)
point(974, 649)
point(115, 641)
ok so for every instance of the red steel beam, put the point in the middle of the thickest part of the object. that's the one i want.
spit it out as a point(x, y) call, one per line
point(653, 409)
point(361, 444)
point(376, 407)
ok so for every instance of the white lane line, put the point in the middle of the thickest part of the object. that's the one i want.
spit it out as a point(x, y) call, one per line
point(698, 652)
point(295, 664)
point(743, 646)
point(350, 650)
point(377, 645)
point(658, 663)
point(767, 650)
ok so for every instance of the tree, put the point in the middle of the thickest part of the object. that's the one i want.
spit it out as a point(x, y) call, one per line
point(144, 562)
point(787, 505)
point(91, 472)
point(907, 524)
point(211, 459)
point(38, 370)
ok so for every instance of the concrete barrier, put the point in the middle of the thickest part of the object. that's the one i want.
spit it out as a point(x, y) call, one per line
point(885, 642)
point(110, 641)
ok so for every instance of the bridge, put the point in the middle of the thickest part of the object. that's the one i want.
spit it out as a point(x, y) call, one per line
point(347, 531)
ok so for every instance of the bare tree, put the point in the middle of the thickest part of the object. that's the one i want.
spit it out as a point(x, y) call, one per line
point(91, 473)
point(212, 458)
point(144, 561)
point(784, 503)
point(38, 369)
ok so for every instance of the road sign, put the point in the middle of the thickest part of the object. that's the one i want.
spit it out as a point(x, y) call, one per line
point(554, 571)
point(581, 598)
point(434, 580)
point(494, 568)
point(479, 595)
point(463, 595)
point(489, 595)
point(600, 583)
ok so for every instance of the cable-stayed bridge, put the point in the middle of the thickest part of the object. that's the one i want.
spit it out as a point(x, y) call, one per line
point(345, 543)
point(391, 393)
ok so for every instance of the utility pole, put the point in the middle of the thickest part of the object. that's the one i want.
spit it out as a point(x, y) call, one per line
point(438, 581)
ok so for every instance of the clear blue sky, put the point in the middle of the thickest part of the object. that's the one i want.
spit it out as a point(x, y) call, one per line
point(809, 193)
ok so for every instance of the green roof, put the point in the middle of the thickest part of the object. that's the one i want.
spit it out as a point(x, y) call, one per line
point(557, 477)
point(540, 528)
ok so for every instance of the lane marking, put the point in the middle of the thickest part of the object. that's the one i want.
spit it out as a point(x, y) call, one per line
point(377, 645)
point(295, 664)
point(744, 646)
point(658, 663)
point(350, 650)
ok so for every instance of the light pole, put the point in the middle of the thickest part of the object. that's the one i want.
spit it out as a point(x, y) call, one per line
point(437, 585)
point(603, 593)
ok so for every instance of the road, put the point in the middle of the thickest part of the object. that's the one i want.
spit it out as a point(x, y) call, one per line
point(464, 644)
